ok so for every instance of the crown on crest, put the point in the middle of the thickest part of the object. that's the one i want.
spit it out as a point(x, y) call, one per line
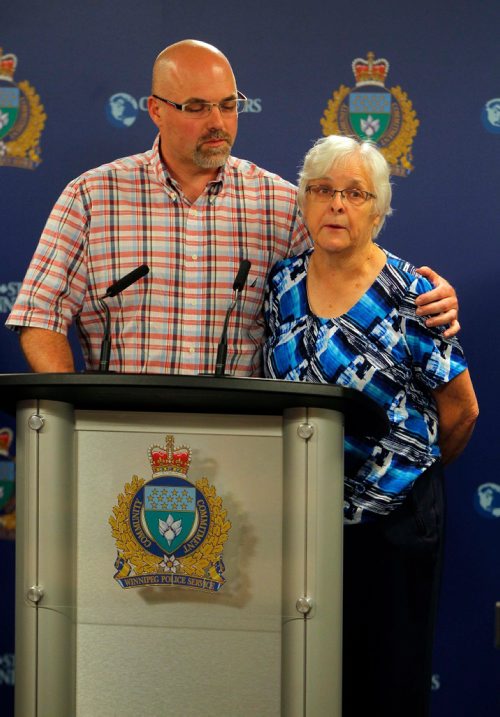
point(8, 64)
point(370, 71)
point(169, 459)
point(6, 436)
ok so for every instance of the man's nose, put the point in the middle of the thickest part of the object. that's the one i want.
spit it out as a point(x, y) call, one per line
point(215, 118)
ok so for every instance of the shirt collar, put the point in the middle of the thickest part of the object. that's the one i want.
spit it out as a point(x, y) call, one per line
point(163, 176)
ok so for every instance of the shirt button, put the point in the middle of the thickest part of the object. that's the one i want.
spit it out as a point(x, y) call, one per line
point(194, 256)
point(191, 350)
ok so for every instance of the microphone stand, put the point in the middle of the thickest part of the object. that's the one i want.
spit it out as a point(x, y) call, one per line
point(106, 341)
point(238, 286)
point(220, 362)
point(116, 288)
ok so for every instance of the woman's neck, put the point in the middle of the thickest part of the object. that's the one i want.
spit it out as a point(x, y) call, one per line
point(335, 282)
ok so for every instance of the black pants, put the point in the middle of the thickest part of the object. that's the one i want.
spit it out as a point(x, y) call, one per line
point(391, 581)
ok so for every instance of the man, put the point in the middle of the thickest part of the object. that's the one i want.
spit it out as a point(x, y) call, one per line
point(188, 210)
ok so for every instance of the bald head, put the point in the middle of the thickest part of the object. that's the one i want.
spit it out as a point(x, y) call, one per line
point(189, 59)
point(192, 145)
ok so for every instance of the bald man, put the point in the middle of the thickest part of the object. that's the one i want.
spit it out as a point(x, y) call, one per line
point(191, 212)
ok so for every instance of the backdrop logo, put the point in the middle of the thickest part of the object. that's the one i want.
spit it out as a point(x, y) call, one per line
point(370, 111)
point(122, 109)
point(168, 530)
point(22, 118)
point(8, 294)
point(254, 105)
point(487, 500)
point(490, 115)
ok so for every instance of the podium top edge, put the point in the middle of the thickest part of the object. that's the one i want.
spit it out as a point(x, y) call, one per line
point(190, 393)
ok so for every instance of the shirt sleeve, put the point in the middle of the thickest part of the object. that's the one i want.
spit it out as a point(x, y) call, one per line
point(301, 240)
point(54, 287)
point(436, 359)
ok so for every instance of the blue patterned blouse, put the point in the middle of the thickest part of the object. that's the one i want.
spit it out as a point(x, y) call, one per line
point(379, 347)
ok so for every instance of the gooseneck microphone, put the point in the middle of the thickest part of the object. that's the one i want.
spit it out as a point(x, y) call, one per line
point(116, 288)
point(238, 286)
point(242, 275)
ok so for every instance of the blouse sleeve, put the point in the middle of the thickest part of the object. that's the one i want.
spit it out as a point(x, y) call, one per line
point(436, 359)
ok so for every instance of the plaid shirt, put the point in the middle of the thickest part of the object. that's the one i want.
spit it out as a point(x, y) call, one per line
point(131, 212)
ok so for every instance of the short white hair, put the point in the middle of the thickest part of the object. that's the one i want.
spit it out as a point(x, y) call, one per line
point(336, 150)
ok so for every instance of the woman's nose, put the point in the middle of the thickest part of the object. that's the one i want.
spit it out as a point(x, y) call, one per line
point(337, 203)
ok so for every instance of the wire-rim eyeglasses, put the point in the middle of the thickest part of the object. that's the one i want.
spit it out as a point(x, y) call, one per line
point(324, 193)
point(201, 108)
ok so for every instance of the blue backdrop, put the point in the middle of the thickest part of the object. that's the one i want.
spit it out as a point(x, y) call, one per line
point(290, 58)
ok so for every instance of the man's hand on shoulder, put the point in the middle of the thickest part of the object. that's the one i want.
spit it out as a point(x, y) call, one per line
point(440, 304)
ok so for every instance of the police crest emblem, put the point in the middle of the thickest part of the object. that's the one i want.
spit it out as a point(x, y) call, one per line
point(371, 111)
point(22, 118)
point(168, 530)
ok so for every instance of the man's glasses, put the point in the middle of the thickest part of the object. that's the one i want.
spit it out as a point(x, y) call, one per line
point(198, 108)
point(324, 193)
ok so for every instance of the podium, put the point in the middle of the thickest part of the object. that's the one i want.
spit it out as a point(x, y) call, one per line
point(118, 611)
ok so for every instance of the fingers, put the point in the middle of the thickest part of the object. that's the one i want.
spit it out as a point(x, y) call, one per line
point(443, 292)
point(440, 304)
point(442, 288)
point(437, 305)
point(452, 329)
point(429, 274)
point(442, 318)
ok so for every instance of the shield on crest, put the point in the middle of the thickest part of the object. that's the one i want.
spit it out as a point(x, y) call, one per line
point(370, 113)
point(170, 512)
point(9, 109)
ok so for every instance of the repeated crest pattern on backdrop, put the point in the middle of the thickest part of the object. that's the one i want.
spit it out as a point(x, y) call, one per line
point(22, 118)
point(422, 80)
point(369, 111)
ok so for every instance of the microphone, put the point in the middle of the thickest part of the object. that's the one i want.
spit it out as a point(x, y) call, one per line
point(116, 288)
point(238, 286)
point(241, 276)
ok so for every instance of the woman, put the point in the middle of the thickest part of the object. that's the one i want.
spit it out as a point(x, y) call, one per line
point(344, 313)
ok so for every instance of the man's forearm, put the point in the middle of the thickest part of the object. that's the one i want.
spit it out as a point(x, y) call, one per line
point(46, 351)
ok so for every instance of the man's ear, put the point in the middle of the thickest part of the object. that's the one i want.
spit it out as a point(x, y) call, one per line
point(153, 110)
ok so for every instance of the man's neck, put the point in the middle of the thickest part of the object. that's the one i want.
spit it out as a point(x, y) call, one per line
point(191, 179)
